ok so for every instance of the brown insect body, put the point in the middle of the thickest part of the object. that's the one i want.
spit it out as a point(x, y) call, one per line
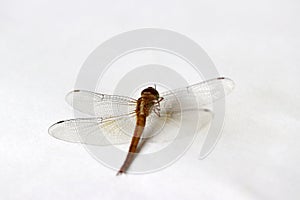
point(105, 127)
point(149, 98)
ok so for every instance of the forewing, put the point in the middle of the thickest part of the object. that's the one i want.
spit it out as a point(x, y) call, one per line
point(100, 105)
point(197, 95)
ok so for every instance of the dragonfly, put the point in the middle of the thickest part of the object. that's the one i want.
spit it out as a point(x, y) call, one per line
point(116, 119)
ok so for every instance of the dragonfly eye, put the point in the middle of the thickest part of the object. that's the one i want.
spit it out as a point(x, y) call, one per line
point(151, 90)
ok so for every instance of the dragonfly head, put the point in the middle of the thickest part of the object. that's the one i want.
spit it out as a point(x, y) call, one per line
point(150, 90)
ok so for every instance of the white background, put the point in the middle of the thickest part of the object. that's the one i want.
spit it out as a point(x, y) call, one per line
point(256, 43)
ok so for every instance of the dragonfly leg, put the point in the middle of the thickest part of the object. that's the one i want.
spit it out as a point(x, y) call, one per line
point(157, 106)
point(157, 111)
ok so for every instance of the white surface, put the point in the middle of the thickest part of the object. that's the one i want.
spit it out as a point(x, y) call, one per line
point(256, 43)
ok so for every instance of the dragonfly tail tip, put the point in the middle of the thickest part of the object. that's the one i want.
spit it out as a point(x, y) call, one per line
point(120, 173)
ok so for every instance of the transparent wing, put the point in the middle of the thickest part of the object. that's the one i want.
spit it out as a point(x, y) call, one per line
point(100, 105)
point(95, 131)
point(196, 96)
point(180, 107)
point(107, 130)
point(102, 132)
point(174, 125)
